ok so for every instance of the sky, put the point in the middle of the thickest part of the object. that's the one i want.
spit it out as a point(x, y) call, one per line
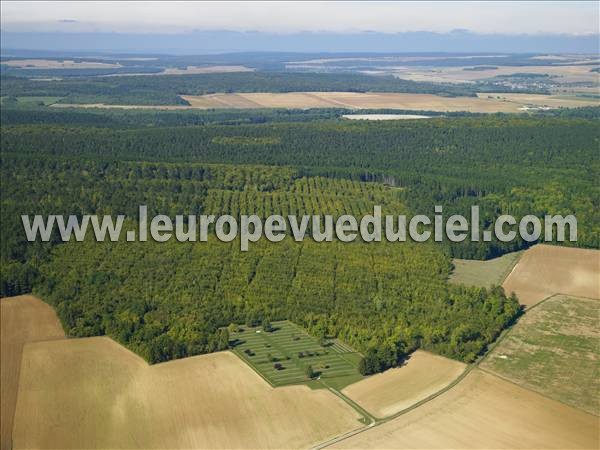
point(538, 17)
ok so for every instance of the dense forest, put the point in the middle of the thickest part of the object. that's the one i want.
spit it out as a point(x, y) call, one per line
point(505, 164)
point(168, 300)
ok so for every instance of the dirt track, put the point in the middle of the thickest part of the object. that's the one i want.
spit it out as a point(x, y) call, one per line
point(484, 411)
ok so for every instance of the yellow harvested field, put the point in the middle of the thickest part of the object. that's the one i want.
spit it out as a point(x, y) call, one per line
point(110, 398)
point(396, 389)
point(508, 103)
point(545, 270)
point(55, 64)
point(24, 319)
point(484, 411)
point(351, 100)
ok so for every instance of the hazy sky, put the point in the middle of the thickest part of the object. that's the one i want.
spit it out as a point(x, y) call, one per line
point(172, 17)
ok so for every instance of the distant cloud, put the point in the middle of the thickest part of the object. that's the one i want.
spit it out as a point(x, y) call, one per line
point(519, 17)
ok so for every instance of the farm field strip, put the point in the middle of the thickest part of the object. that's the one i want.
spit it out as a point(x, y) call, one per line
point(543, 348)
point(487, 103)
point(397, 389)
point(377, 100)
point(546, 270)
point(481, 411)
point(111, 398)
point(293, 350)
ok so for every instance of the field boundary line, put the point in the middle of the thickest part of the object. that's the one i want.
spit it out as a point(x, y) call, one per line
point(508, 273)
point(381, 421)
point(497, 375)
point(508, 380)
point(454, 383)
point(248, 363)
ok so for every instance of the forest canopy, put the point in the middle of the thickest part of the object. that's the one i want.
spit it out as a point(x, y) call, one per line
point(169, 300)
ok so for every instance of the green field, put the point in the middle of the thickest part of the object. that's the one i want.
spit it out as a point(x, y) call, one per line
point(555, 350)
point(29, 101)
point(334, 363)
point(483, 273)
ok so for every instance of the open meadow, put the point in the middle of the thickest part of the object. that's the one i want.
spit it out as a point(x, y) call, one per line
point(491, 272)
point(545, 270)
point(396, 389)
point(24, 319)
point(483, 411)
point(555, 350)
point(110, 398)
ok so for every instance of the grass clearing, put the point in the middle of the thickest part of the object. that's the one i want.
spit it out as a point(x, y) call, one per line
point(396, 389)
point(282, 356)
point(23, 319)
point(484, 411)
point(483, 273)
point(545, 270)
point(94, 393)
point(555, 350)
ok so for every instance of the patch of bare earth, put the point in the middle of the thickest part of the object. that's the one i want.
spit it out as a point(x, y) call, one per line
point(94, 393)
point(545, 270)
point(396, 389)
point(484, 412)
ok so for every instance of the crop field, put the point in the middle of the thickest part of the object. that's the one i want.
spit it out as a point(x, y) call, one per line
point(575, 73)
point(484, 411)
point(24, 319)
point(283, 355)
point(491, 272)
point(555, 350)
point(484, 103)
point(354, 100)
point(545, 270)
point(396, 389)
point(110, 398)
